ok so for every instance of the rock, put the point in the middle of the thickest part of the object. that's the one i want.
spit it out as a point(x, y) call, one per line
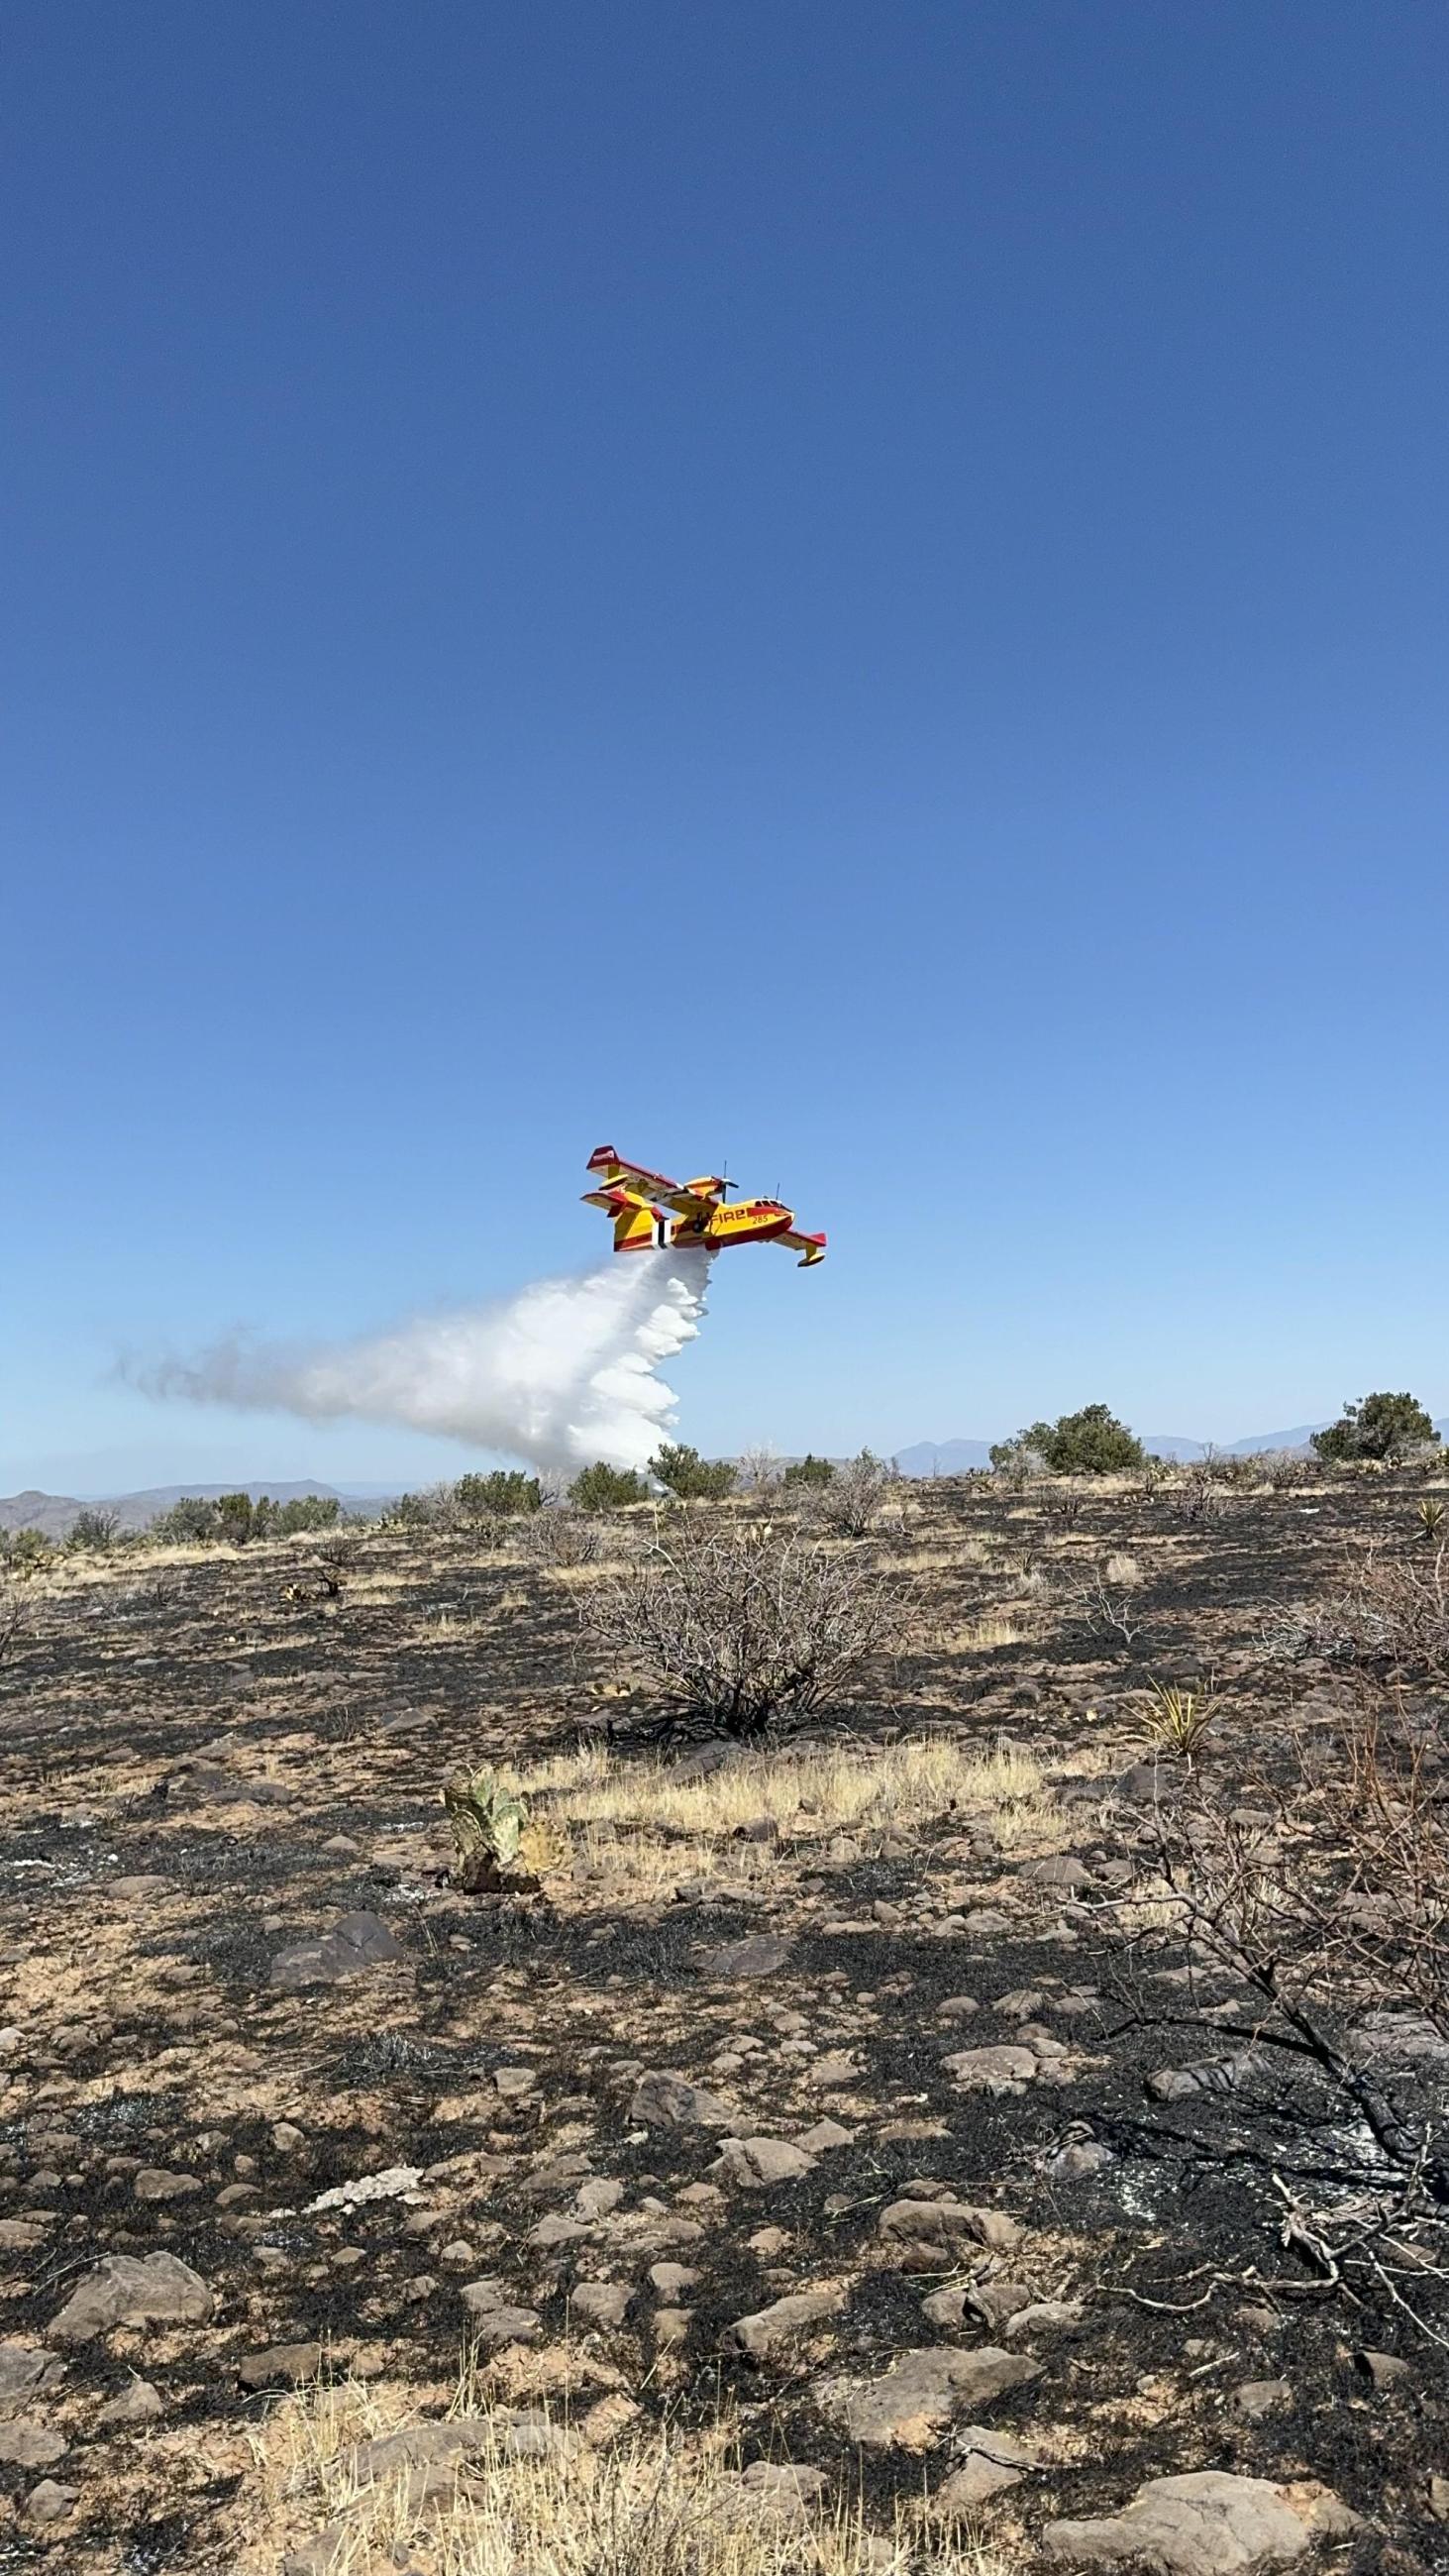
point(50, 2502)
point(1402, 2038)
point(757, 2164)
point(995, 2303)
point(1150, 1784)
point(138, 2404)
point(1005, 2069)
point(31, 2446)
point(508, 2433)
point(760, 1955)
point(930, 2233)
point(1079, 2160)
point(154, 2183)
point(358, 1941)
point(991, 2463)
point(281, 2365)
point(512, 2082)
point(603, 2303)
point(1044, 2316)
point(752, 2338)
point(23, 2372)
point(1257, 2399)
point(945, 2308)
point(825, 2134)
point(22, 2235)
point(1209, 2523)
point(1210, 2075)
point(957, 2008)
point(596, 2199)
point(122, 2291)
point(669, 2281)
point(661, 2100)
point(775, 2492)
point(1382, 2369)
point(1057, 1869)
point(554, 2229)
point(494, 2321)
point(911, 2407)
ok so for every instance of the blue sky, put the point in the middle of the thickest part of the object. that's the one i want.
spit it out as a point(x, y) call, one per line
point(857, 589)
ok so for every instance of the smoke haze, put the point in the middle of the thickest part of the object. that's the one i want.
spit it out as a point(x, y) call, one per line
point(562, 1374)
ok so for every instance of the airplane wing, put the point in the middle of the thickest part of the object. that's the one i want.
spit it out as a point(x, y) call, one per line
point(811, 1247)
point(611, 1168)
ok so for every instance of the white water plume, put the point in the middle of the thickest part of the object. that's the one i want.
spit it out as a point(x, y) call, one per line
point(562, 1374)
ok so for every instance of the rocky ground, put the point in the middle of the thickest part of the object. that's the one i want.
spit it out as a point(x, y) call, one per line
point(826, 2108)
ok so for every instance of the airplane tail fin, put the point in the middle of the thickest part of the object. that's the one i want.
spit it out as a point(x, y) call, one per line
point(637, 1226)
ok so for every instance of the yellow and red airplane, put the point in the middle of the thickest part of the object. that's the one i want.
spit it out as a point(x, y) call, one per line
point(650, 1213)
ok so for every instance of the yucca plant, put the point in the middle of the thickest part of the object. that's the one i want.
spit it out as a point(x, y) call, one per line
point(1432, 1517)
point(1180, 1719)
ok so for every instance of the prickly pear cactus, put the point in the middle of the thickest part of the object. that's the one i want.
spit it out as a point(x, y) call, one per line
point(486, 1818)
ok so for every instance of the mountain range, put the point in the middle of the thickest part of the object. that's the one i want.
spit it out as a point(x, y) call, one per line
point(56, 1514)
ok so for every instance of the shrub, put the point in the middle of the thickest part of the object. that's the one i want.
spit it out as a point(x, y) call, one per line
point(238, 1519)
point(26, 1551)
point(92, 1531)
point(809, 1470)
point(1382, 1426)
point(502, 1494)
point(189, 1520)
point(559, 1535)
point(305, 1512)
point(854, 1499)
point(1391, 1614)
point(690, 1477)
point(602, 1488)
point(431, 1508)
point(1089, 1443)
point(743, 1627)
point(758, 1471)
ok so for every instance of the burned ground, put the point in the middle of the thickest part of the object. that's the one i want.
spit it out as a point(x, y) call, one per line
point(204, 1772)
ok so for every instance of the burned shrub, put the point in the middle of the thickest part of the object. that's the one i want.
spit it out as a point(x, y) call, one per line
point(1324, 1909)
point(742, 1627)
point(856, 1498)
point(1389, 1614)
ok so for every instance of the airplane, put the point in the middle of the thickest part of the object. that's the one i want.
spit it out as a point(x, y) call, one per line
point(651, 1213)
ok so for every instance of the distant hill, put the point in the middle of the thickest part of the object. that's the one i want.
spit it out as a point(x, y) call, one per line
point(56, 1514)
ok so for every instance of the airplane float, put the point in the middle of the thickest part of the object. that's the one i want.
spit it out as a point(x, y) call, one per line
point(652, 1214)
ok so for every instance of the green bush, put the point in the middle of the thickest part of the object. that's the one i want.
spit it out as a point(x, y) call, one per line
point(809, 1470)
point(692, 1478)
point(190, 1519)
point(602, 1488)
point(26, 1551)
point(501, 1494)
point(1090, 1443)
point(306, 1512)
point(1382, 1426)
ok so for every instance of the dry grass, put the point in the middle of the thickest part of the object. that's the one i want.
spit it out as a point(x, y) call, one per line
point(647, 2506)
point(817, 1792)
point(1124, 1571)
point(976, 1636)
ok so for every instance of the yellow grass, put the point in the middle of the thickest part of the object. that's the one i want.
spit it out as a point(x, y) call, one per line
point(648, 2504)
point(894, 1785)
point(977, 1636)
